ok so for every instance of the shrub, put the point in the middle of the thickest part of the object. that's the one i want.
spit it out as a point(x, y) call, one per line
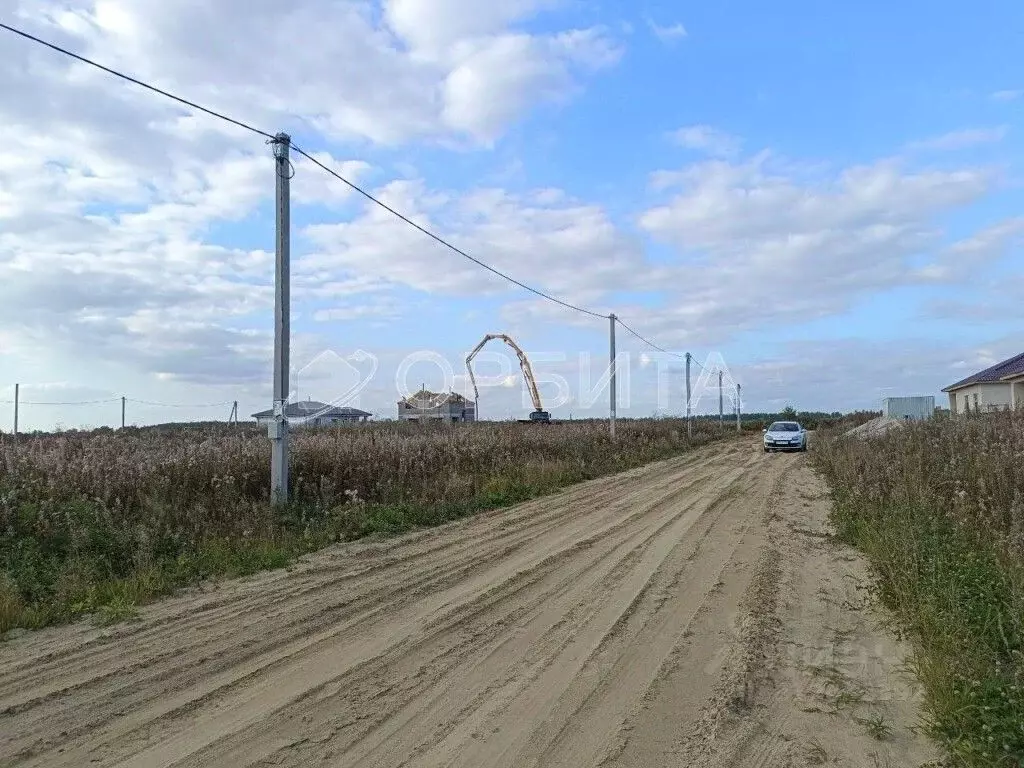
point(936, 506)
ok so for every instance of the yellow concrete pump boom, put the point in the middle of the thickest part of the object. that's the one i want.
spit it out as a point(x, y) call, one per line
point(539, 414)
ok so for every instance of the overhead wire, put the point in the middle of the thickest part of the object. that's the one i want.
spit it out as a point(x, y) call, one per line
point(134, 80)
point(117, 400)
point(180, 405)
point(299, 150)
point(441, 240)
point(77, 402)
point(353, 186)
point(648, 342)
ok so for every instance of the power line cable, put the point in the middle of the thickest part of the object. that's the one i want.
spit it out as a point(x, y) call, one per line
point(78, 402)
point(353, 186)
point(648, 342)
point(441, 240)
point(180, 405)
point(136, 81)
point(651, 344)
point(305, 154)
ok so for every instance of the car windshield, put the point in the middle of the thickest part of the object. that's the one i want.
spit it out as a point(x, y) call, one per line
point(784, 426)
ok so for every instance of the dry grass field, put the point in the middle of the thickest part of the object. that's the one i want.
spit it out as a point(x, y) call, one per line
point(938, 508)
point(100, 522)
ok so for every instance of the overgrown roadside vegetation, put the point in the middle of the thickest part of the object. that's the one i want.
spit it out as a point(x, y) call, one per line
point(938, 508)
point(101, 522)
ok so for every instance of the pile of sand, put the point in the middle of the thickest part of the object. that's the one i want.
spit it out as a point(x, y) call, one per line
point(876, 427)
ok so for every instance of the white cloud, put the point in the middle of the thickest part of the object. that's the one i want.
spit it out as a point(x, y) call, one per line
point(495, 79)
point(433, 26)
point(365, 302)
point(963, 139)
point(124, 196)
point(354, 70)
point(579, 252)
point(704, 138)
point(1007, 95)
point(135, 207)
point(741, 229)
point(666, 33)
point(315, 187)
point(854, 373)
point(989, 301)
point(965, 258)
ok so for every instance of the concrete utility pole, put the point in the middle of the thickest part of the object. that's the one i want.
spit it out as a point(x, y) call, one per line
point(278, 429)
point(721, 403)
point(689, 421)
point(17, 388)
point(739, 407)
point(611, 383)
point(122, 411)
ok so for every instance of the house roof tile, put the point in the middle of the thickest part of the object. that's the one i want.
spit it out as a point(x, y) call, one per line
point(1013, 366)
point(309, 408)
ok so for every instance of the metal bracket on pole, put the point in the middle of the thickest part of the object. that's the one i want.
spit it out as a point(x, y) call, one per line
point(611, 382)
point(278, 427)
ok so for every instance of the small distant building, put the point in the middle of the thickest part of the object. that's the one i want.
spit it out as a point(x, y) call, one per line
point(996, 388)
point(908, 408)
point(436, 406)
point(315, 414)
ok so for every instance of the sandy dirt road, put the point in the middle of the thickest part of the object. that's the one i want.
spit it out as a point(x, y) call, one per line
point(637, 620)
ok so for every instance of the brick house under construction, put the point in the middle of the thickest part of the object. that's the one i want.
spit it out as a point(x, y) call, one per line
point(436, 406)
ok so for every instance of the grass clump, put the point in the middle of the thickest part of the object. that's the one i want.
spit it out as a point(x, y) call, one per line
point(936, 507)
point(101, 522)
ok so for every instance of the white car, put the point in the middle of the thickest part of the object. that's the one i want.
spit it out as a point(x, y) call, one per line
point(785, 436)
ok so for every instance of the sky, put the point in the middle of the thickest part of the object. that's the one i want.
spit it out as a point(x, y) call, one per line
point(823, 200)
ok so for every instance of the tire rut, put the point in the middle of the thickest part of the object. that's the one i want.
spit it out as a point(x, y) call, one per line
point(527, 636)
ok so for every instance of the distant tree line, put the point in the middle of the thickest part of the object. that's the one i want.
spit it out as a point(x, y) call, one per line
point(809, 419)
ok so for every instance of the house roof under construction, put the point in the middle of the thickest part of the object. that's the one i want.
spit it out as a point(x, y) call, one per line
point(435, 398)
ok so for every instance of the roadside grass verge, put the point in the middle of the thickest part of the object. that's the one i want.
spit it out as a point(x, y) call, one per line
point(937, 508)
point(100, 523)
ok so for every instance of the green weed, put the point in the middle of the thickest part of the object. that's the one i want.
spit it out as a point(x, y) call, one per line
point(101, 522)
point(876, 726)
point(936, 508)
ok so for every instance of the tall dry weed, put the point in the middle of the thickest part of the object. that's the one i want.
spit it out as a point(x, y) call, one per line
point(80, 510)
point(937, 507)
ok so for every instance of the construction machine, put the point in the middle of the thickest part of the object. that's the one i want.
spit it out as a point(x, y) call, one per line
point(539, 415)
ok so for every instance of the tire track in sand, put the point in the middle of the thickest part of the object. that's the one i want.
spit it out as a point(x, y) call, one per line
point(527, 636)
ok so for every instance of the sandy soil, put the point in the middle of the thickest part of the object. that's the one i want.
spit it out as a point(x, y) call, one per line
point(692, 612)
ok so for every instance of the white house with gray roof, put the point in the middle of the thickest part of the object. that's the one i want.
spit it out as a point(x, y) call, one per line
point(314, 414)
point(998, 387)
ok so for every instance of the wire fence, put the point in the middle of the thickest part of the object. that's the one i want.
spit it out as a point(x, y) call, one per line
point(121, 413)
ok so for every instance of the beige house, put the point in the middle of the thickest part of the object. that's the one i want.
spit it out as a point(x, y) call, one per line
point(436, 406)
point(997, 388)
